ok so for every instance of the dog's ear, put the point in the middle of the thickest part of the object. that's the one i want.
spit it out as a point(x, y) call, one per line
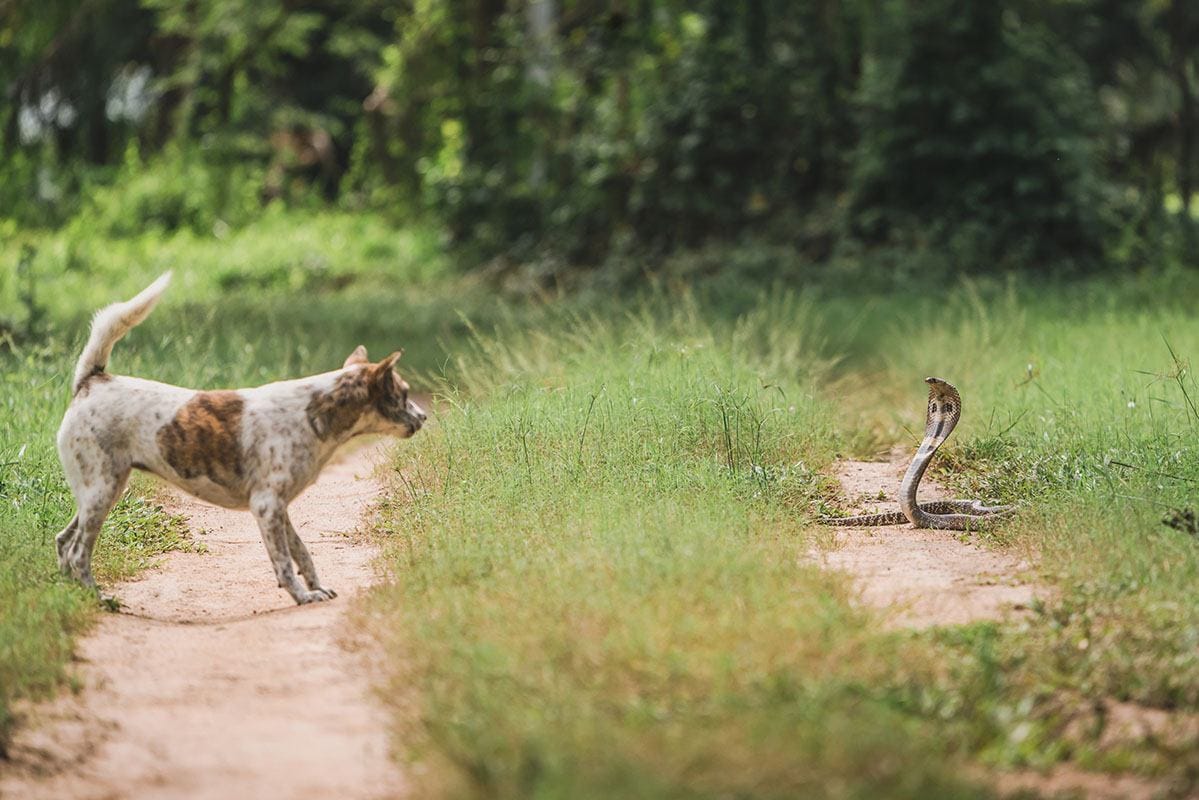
point(384, 367)
point(356, 357)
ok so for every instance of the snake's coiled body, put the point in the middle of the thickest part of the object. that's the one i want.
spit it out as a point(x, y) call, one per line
point(944, 411)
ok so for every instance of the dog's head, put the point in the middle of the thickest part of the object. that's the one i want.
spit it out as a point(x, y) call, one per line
point(365, 398)
point(388, 393)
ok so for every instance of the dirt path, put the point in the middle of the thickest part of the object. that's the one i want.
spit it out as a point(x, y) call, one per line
point(211, 683)
point(919, 578)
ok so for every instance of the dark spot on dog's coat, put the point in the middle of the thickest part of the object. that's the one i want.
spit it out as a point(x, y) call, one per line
point(336, 411)
point(86, 384)
point(204, 438)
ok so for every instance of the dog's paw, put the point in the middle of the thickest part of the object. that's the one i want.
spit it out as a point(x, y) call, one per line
point(316, 596)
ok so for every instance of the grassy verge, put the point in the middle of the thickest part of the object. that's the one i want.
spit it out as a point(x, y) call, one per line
point(600, 581)
point(600, 587)
point(41, 612)
point(1080, 403)
point(287, 296)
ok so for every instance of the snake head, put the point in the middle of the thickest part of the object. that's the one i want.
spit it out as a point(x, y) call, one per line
point(943, 401)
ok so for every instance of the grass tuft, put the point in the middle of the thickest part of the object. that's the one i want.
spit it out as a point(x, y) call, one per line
point(601, 587)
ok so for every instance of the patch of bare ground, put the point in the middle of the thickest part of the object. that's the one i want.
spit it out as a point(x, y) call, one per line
point(919, 578)
point(1111, 727)
point(923, 578)
point(211, 683)
point(1065, 781)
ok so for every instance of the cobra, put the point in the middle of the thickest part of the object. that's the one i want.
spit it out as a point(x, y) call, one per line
point(944, 411)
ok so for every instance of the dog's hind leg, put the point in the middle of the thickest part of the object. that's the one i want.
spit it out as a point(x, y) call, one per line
point(95, 502)
point(299, 554)
point(271, 513)
point(63, 540)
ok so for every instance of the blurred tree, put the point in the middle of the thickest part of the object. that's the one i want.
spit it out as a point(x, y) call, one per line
point(1180, 20)
point(533, 127)
point(978, 133)
point(58, 61)
point(569, 131)
point(751, 118)
point(272, 79)
point(1142, 60)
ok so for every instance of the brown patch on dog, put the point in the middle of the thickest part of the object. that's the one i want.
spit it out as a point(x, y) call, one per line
point(336, 411)
point(86, 384)
point(204, 438)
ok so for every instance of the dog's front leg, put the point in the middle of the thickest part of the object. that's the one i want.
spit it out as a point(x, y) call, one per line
point(271, 512)
point(299, 554)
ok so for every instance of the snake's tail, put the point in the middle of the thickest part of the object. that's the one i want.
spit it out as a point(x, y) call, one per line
point(865, 520)
point(966, 522)
point(972, 507)
point(942, 508)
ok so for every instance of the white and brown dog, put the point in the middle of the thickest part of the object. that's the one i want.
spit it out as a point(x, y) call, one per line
point(248, 448)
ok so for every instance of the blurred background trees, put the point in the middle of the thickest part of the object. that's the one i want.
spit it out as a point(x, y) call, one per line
point(1051, 135)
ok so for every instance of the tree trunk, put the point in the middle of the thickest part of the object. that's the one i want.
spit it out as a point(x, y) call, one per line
point(97, 133)
point(541, 17)
point(224, 105)
point(12, 129)
point(1186, 110)
point(377, 107)
point(1186, 136)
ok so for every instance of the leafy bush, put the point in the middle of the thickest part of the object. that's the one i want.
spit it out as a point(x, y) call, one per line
point(180, 189)
point(976, 139)
point(650, 134)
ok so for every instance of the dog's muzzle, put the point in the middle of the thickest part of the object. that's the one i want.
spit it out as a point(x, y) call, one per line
point(416, 418)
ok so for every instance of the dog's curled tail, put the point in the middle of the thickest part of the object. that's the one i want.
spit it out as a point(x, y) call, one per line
point(110, 324)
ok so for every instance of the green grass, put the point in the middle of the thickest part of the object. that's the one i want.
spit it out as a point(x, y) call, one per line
point(600, 586)
point(1060, 390)
point(600, 581)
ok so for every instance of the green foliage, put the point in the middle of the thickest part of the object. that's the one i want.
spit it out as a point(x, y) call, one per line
point(933, 137)
point(750, 119)
point(175, 191)
point(629, 130)
point(264, 67)
point(976, 137)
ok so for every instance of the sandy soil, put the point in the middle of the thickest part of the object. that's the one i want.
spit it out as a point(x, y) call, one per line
point(1070, 783)
point(919, 578)
point(211, 683)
